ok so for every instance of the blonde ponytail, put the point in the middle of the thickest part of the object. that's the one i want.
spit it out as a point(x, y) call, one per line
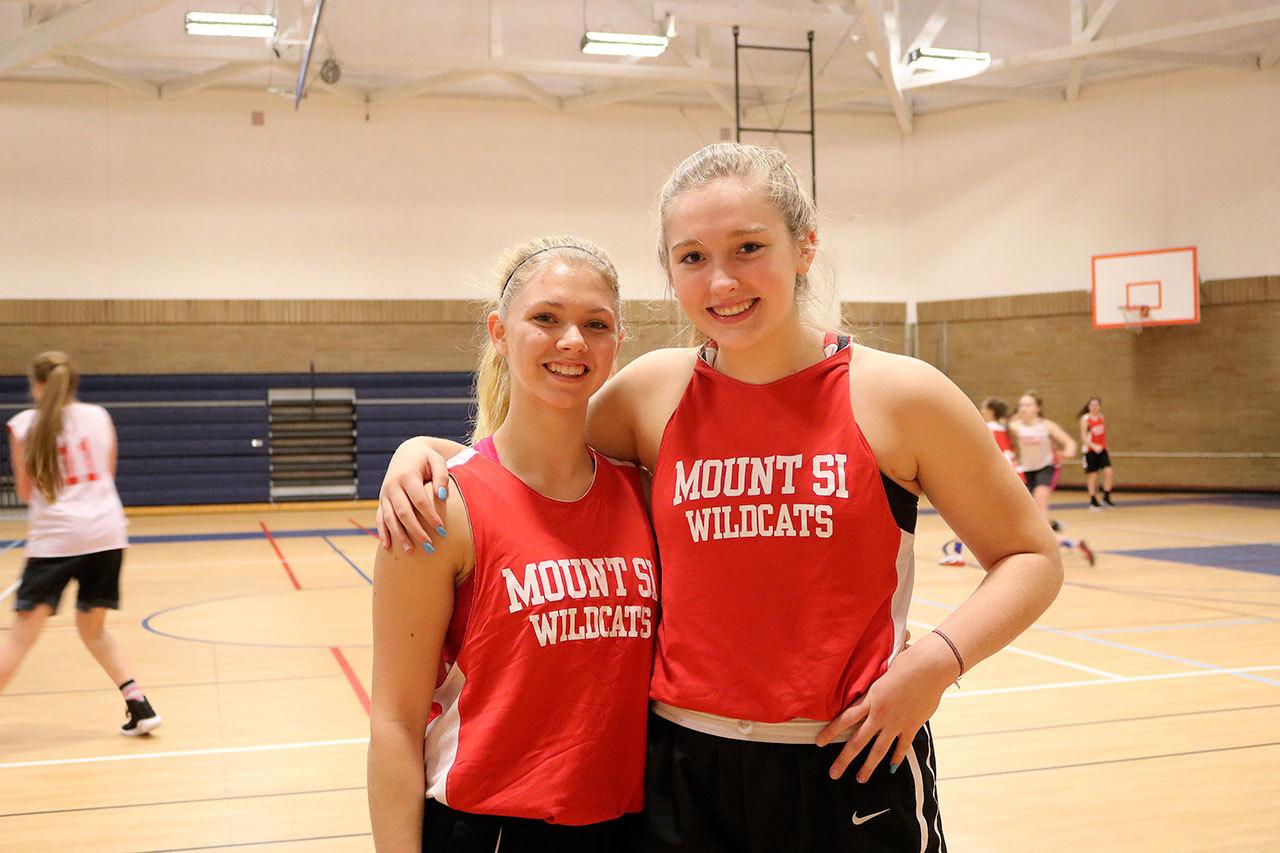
point(515, 267)
point(60, 379)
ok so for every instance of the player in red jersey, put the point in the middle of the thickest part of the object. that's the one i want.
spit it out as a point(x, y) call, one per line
point(1093, 438)
point(538, 610)
point(787, 464)
point(64, 464)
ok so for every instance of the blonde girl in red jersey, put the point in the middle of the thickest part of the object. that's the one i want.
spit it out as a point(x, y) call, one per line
point(772, 445)
point(64, 463)
point(1093, 440)
point(538, 608)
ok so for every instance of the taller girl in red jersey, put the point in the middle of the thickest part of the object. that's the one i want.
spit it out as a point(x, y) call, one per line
point(787, 464)
point(539, 609)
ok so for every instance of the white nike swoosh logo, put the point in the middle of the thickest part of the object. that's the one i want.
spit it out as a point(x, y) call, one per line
point(859, 821)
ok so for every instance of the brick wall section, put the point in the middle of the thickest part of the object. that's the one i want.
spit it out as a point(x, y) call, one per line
point(1213, 387)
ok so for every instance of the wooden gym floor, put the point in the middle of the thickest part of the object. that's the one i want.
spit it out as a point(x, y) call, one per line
point(1141, 714)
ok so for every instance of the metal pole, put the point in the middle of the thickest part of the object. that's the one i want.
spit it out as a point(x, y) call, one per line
point(737, 92)
point(813, 128)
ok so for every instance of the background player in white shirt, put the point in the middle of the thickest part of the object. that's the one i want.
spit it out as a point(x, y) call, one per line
point(64, 464)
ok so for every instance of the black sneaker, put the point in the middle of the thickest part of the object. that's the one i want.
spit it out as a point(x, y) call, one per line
point(1108, 501)
point(142, 718)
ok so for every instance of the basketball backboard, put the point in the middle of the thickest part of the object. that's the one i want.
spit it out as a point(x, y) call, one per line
point(1153, 288)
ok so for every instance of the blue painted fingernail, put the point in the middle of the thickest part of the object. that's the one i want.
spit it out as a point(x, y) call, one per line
point(442, 493)
point(893, 768)
point(426, 546)
point(440, 530)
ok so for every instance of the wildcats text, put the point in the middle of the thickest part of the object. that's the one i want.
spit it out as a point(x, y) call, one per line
point(815, 483)
point(622, 589)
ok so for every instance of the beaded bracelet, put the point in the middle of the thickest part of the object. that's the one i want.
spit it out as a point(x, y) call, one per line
point(954, 650)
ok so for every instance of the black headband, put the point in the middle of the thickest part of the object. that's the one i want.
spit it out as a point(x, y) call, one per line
point(535, 254)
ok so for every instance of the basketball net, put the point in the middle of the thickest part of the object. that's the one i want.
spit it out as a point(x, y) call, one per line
point(1134, 315)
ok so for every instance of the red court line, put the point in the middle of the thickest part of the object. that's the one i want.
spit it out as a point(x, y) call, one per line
point(283, 561)
point(362, 527)
point(350, 673)
point(352, 678)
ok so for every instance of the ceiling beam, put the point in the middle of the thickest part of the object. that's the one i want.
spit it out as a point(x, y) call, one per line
point(421, 87)
point(346, 91)
point(1170, 57)
point(751, 17)
point(932, 27)
point(56, 36)
point(1105, 47)
point(495, 28)
point(615, 95)
point(431, 65)
point(1083, 31)
point(534, 92)
point(196, 82)
point(700, 57)
point(1099, 19)
point(874, 25)
point(1117, 44)
point(108, 75)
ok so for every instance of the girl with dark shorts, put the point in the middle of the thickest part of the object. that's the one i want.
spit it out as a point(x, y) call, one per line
point(64, 462)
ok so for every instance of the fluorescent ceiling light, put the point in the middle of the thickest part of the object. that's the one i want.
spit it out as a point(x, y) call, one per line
point(623, 44)
point(944, 59)
point(230, 24)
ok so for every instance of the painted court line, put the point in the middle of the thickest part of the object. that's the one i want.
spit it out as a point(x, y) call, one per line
point(292, 578)
point(362, 695)
point(183, 753)
point(352, 679)
point(1038, 656)
point(1177, 626)
point(350, 562)
point(1124, 679)
point(1242, 673)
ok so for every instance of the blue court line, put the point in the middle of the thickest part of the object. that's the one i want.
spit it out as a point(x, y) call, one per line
point(368, 579)
point(146, 623)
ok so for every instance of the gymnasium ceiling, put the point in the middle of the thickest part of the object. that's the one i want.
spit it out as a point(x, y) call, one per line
point(395, 50)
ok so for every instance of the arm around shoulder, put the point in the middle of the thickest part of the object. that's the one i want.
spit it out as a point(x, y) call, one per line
point(618, 408)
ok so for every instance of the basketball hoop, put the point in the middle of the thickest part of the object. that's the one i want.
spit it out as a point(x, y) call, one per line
point(1135, 317)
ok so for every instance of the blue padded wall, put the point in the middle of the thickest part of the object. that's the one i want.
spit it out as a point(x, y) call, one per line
point(186, 438)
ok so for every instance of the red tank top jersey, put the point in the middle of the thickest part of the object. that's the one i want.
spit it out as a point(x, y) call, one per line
point(786, 571)
point(542, 706)
point(1097, 427)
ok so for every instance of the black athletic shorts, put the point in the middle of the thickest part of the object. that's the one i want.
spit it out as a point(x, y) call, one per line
point(1039, 477)
point(97, 574)
point(446, 830)
point(709, 794)
point(1096, 461)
